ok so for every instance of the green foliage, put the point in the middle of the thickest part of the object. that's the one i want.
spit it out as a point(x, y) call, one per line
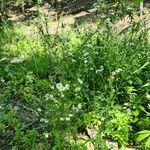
point(54, 88)
point(144, 135)
point(119, 127)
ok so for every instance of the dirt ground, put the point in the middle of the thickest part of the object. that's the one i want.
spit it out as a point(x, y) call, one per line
point(78, 13)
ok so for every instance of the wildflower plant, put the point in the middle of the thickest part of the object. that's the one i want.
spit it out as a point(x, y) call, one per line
point(75, 87)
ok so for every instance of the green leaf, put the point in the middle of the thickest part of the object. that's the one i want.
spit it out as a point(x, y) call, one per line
point(136, 113)
point(138, 1)
point(142, 108)
point(148, 142)
point(143, 134)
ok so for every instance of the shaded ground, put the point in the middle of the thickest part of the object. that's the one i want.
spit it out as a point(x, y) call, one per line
point(75, 14)
point(70, 7)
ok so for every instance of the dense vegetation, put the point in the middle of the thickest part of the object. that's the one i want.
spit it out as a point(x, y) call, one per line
point(77, 88)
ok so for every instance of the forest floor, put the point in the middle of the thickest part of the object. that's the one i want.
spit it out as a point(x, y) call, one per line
point(68, 17)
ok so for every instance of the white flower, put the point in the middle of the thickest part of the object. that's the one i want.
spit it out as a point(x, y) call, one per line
point(52, 87)
point(46, 135)
point(126, 104)
point(77, 89)
point(16, 108)
point(67, 118)
point(67, 87)
point(46, 96)
point(125, 107)
point(39, 109)
point(79, 106)
point(70, 115)
point(62, 95)
point(60, 87)
point(112, 13)
point(45, 120)
point(42, 120)
point(62, 119)
point(49, 96)
point(16, 61)
point(2, 79)
point(85, 61)
point(129, 111)
point(113, 73)
point(80, 81)
point(118, 70)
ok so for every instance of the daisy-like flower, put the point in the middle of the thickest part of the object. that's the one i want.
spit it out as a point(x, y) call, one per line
point(52, 87)
point(42, 120)
point(70, 115)
point(60, 87)
point(2, 79)
point(16, 108)
point(46, 135)
point(49, 97)
point(39, 109)
point(77, 89)
point(85, 61)
point(46, 96)
point(79, 106)
point(67, 118)
point(62, 119)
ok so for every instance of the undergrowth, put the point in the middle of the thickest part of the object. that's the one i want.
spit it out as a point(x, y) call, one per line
point(57, 90)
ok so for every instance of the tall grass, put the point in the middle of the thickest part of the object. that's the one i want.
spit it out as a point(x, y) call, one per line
point(54, 89)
